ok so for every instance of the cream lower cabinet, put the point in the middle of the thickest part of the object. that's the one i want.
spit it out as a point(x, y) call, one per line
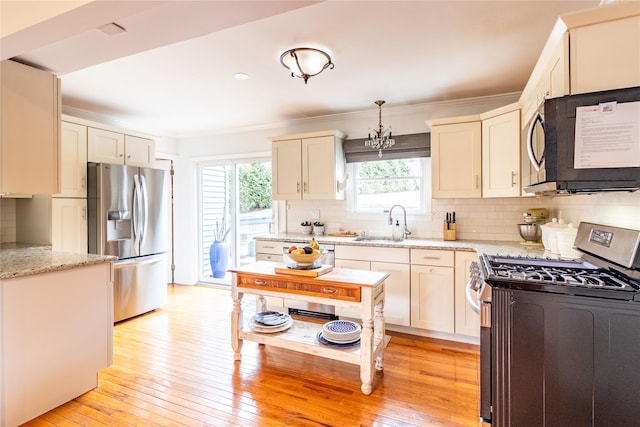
point(397, 286)
point(456, 157)
point(69, 225)
point(432, 290)
point(56, 332)
point(467, 321)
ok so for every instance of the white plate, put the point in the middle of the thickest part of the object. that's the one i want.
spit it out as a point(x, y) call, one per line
point(257, 327)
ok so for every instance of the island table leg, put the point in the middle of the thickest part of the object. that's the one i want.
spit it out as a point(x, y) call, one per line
point(236, 322)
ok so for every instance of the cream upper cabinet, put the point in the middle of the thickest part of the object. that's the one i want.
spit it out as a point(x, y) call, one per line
point(308, 166)
point(501, 152)
point(139, 151)
point(104, 146)
point(30, 131)
point(74, 160)
point(432, 290)
point(605, 55)
point(456, 162)
point(394, 261)
point(467, 321)
point(69, 225)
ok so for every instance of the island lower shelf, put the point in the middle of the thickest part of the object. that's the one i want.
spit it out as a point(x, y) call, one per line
point(302, 336)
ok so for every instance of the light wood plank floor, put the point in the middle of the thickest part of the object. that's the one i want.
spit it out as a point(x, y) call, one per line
point(175, 367)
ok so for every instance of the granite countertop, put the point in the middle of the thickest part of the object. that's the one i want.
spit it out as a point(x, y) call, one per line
point(19, 259)
point(480, 246)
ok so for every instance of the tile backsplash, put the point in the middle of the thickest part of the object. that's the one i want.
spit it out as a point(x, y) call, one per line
point(7, 220)
point(476, 219)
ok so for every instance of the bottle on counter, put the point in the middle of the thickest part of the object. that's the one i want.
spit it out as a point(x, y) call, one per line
point(397, 231)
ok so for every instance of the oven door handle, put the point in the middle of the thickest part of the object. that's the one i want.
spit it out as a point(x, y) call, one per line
point(537, 164)
point(473, 301)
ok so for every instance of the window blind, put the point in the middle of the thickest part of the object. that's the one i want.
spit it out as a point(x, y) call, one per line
point(406, 147)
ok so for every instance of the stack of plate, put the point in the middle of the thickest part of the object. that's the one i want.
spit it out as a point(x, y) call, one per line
point(340, 333)
point(270, 321)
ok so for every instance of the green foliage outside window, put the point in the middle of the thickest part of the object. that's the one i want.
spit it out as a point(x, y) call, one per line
point(255, 187)
point(387, 176)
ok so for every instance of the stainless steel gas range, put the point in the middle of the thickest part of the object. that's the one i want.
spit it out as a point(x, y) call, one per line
point(560, 339)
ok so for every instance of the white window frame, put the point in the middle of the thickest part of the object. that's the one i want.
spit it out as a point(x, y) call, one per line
point(425, 193)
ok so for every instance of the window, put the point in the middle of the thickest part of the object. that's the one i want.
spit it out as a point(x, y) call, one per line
point(235, 195)
point(383, 183)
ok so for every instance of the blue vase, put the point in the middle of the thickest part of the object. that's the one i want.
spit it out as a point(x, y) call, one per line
point(219, 259)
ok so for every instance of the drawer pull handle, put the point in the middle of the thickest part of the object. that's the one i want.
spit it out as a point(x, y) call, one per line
point(260, 282)
point(330, 291)
point(431, 257)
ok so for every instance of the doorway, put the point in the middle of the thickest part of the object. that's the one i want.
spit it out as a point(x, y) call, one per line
point(235, 205)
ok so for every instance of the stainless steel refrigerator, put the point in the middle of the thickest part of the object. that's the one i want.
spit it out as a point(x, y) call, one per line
point(127, 210)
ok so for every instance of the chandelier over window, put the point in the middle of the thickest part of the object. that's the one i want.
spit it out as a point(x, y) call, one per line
point(305, 62)
point(382, 138)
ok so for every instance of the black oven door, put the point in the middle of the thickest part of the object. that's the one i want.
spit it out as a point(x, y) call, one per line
point(486, 355)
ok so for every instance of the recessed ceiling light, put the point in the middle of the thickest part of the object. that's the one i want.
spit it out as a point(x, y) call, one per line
point(241, 76)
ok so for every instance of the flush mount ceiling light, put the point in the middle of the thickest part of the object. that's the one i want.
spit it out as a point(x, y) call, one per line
point(305, 62)
point(382, 138)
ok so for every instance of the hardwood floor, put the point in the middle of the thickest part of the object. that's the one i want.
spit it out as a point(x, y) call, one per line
point(175, 367)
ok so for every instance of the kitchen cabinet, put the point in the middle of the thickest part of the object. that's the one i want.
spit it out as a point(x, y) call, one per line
point(467, 321)
point(69, 225)
point(456, 157)
point(587, 51)
point(432, 290)
point(501, 152)
point(104, 146)
point(30, 131)
point(56, 334)
point(605, 55)
point(394, 261)
point(73, 174)
point(308, 166)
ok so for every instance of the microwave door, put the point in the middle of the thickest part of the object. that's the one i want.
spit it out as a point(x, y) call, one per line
point(532, 158)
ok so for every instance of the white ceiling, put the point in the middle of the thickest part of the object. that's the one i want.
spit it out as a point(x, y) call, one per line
point(171, 72)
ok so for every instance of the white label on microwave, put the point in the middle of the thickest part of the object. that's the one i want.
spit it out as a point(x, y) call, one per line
point(607, 136)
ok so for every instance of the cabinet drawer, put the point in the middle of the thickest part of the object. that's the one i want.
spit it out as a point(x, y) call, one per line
point(267, 247)
point(372, 253)
point(269, 257)
point(346, 293)
point(432, 257)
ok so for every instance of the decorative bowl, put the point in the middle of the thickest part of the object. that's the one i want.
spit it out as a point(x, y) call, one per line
point(305, 260)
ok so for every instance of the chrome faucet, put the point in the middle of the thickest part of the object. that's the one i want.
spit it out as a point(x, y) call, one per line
point(405, 230)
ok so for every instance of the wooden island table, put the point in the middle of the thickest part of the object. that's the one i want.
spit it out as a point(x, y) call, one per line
point(339, 287)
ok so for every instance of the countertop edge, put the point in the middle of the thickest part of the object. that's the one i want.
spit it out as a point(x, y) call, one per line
point(479, 246)
point(21, 261)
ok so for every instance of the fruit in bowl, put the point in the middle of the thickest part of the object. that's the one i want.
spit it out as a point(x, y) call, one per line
point(306, 255)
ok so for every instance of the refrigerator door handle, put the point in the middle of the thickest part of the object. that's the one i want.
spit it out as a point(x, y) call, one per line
point(137, 198)
point(145, 208)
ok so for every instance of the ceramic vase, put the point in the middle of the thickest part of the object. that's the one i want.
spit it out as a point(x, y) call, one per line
point(219, 259)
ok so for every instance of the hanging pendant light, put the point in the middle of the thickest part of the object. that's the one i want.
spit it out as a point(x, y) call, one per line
point(382, 138)
point(305, 62)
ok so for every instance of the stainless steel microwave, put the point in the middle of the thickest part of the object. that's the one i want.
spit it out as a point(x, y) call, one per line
point(554, 159)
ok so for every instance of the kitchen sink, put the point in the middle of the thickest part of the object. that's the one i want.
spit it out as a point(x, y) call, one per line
point(376, 238)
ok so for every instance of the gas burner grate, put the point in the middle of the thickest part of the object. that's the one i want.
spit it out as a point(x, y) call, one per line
point(583, 277)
